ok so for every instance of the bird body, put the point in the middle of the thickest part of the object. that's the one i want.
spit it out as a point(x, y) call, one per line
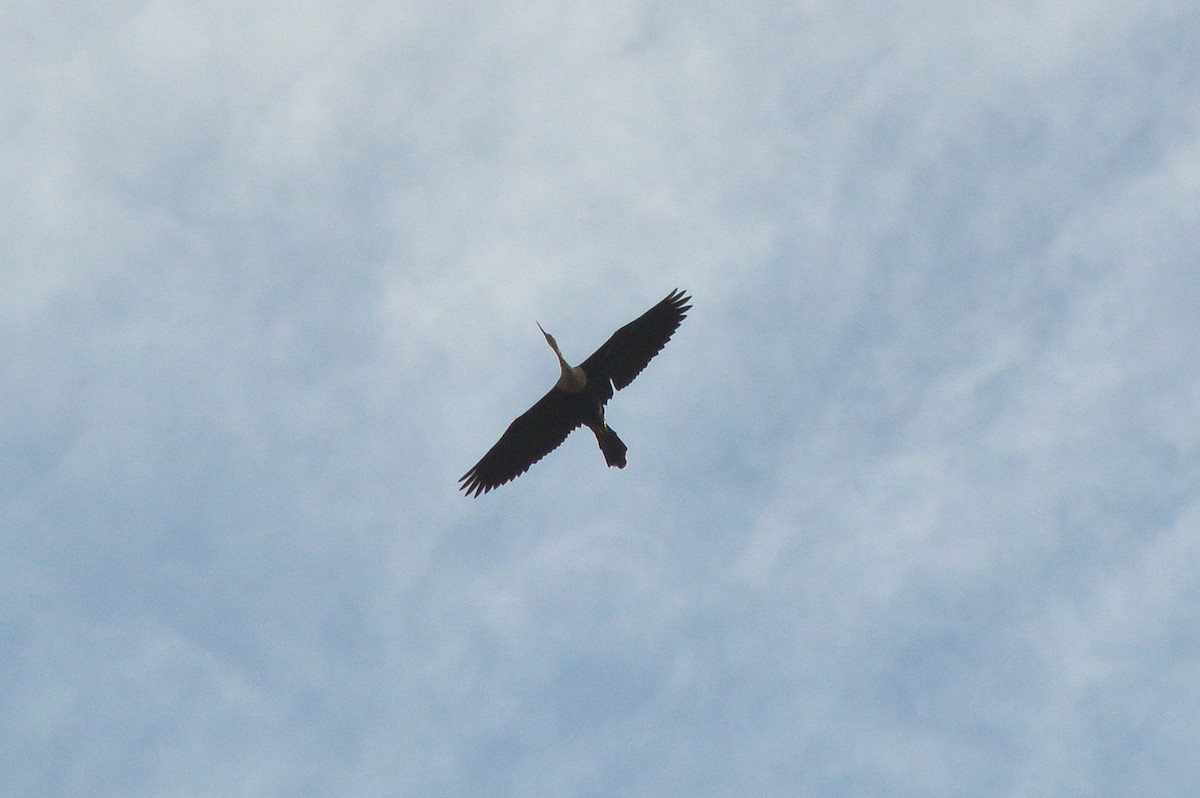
point(578, 398)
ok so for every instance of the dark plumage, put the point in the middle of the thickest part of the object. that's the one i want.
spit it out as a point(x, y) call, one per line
point(578, 398)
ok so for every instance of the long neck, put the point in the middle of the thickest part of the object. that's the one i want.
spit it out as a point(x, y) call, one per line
point(572, 378)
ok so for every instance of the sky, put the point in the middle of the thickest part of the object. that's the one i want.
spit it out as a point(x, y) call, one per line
point(913, 497)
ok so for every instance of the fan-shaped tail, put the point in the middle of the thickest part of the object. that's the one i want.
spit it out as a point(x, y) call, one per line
point(613, 447)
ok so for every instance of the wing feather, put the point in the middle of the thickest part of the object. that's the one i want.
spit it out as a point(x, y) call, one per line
point(533, 435)
point(630, 349)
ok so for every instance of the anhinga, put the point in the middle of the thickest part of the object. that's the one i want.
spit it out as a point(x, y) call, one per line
point(578, 398)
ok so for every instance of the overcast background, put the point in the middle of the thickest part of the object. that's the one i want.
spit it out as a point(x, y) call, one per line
point(913, 497)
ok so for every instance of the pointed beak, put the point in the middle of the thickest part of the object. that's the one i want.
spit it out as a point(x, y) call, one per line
point(549, 339)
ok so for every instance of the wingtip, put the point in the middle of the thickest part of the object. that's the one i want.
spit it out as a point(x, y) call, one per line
point(472, 486)
point(681, 300)
point(468, 483)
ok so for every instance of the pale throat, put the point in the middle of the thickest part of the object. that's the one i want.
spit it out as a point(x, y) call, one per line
point(572, 379)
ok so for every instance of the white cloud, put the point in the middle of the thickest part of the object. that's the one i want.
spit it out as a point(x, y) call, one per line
point(909, 495)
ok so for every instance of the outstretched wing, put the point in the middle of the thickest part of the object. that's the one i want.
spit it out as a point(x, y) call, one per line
point(630, 349)
point(536, 432)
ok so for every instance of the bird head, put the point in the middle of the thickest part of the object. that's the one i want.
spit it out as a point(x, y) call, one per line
point(550, 340)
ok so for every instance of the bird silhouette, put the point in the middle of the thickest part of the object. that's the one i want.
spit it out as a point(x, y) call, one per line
point(578, 398)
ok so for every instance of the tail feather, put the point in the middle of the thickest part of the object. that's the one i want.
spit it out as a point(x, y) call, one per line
point(613, 447)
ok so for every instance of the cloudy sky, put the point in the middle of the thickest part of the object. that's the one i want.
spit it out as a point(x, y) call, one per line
point(913, 497)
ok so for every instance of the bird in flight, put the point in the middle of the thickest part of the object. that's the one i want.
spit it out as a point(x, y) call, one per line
point(578, 398)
